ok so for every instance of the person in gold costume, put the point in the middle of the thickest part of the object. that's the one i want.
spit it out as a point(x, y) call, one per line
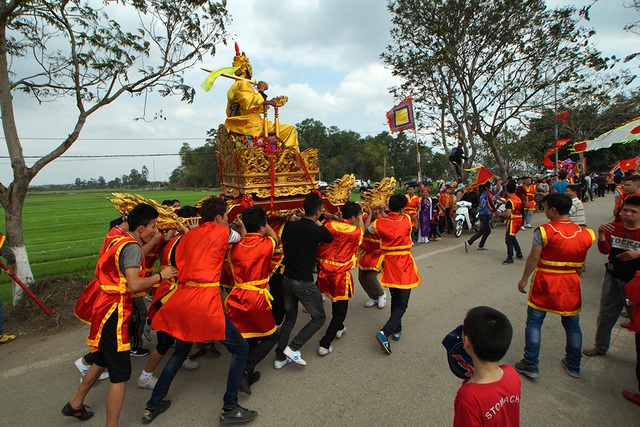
point(245, 105)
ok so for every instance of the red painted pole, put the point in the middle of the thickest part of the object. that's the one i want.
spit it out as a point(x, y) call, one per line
point(27, 290)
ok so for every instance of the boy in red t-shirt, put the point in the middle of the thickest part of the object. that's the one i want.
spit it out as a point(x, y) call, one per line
point(491, 397)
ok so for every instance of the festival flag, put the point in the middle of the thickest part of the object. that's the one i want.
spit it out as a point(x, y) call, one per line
point(482, 176)
point(547, 162)
point(615, 169)
point(213, 75)
point(562, 116)
point(627, 132)
point(628, 164)
point(400, 117)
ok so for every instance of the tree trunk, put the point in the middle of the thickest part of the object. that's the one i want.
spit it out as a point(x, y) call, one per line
point(13, 217)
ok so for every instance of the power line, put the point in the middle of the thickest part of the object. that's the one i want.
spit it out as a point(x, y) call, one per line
point(113, 139)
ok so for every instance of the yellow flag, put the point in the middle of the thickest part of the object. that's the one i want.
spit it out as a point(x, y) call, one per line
point(208, 83)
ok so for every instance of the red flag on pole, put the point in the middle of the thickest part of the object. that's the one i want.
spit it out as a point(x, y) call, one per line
point(547, 162)
point(562, 116)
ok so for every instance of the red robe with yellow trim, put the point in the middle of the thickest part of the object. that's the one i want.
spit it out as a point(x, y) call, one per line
point(114, 294)
point(336, 259)
point(530, 191)
point(194, 312)
point(555, 286)
point(84, 305)
point(411, 208)
point(165, 288)
point(370, 256)
point(247, 305)
point(399, 269)
point(515, 221)
point(276, 260)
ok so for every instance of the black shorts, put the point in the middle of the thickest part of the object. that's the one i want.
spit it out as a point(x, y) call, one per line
point(118, 362)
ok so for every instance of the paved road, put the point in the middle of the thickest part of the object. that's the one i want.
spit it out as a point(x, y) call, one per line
point(357, 384)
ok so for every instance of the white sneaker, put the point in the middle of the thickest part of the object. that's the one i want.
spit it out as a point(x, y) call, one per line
point(341, 332)
point(523, 228)
point(295, 356)
point(83, 371)
point(189, 364)
point(279, 364)
point(371, 303)
point(147, 384)
point(324, 351)
point(382, 300)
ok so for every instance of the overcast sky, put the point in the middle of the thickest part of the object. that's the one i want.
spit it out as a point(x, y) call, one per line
point(323, 54)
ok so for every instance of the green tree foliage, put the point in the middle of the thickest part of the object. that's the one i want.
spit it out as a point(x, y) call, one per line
point(475, 65)
point(198, 167)
point(57, 48)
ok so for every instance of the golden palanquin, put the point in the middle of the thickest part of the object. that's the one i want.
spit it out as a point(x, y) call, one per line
point(264, 173)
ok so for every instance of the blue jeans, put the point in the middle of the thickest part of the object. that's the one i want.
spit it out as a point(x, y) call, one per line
point(399, 304)
point(311, 298)
point(532, 334)
point(237, 346)
point(512, 243)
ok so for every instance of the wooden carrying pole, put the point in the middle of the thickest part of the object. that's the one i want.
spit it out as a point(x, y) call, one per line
point(27, 290)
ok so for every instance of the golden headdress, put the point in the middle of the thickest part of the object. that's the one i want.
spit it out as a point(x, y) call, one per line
point(241, 60)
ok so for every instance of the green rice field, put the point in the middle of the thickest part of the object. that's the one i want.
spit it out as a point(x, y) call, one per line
point(63, 230)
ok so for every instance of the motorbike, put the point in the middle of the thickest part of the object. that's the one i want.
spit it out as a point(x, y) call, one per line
point(463, 219)
point(495, 218)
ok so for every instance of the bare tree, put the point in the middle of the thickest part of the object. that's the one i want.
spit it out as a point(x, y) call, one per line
point(72, 48)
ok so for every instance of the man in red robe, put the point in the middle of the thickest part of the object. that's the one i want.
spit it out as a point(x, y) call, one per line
point(194, 312)
point(513, 213)
point(399, 271)
point(335, 261)
point(249, 302)
point(120, 272)
point(411, 208)
point(557, 257)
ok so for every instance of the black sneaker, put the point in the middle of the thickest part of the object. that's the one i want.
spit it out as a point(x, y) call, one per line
point(524, 368)
point(245, 386)
point(151, 414)
point(519, 256)
point(139, 352)
point(237, 415)
point(573, 371)
point(508, 261)
point(82, 414)
point(254, 377)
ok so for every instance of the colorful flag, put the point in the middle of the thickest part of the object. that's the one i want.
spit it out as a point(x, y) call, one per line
point(482, 176)
point(213, 75)
point(562, 116)
point(615, 169)
point(400, 117)
point(627, 132)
